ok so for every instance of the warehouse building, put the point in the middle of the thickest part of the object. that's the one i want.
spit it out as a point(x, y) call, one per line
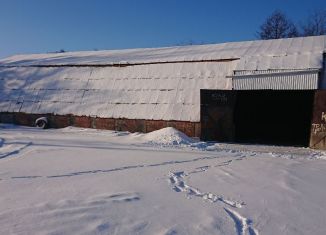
point(269, 91)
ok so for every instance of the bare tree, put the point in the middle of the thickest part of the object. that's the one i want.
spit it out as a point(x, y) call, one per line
point(277, 26)
point(316, 24)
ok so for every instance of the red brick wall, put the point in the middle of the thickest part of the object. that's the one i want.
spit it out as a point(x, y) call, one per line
point(152, 125)
point(82, 121)
point(23, 119)
point(131, 125)
point(60, 121)
point(104, 123)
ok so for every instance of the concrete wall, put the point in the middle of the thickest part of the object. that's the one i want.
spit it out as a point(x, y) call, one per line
point(318, 125)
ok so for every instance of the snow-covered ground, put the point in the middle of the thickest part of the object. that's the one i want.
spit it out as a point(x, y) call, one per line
point(83, 181)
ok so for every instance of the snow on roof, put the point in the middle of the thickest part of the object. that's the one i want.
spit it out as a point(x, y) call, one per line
point(301, 52)
point(152, 90)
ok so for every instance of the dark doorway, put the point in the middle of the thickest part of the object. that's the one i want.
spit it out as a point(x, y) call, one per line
point(273, 117)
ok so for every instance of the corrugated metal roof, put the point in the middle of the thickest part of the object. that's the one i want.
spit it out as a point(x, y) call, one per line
point(158, 92)
point(304, 52)
point(163, 91)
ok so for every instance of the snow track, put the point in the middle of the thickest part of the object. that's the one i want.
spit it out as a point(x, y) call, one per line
point(242, 224)
point(178, 183)
point(123, 168)
point(11, 148)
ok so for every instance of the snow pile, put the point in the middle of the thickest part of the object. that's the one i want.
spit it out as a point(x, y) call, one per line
point(168, 137)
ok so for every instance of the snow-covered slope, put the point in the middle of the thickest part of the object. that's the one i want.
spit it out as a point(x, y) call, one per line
point(302, 52)
point(82, 181)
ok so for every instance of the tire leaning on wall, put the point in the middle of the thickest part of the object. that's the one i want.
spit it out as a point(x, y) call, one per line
point(41, 122)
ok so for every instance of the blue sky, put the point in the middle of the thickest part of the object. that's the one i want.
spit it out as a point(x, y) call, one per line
point(37, 26)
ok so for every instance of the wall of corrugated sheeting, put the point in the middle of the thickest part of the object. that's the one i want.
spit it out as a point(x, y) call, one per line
point(276, 80)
